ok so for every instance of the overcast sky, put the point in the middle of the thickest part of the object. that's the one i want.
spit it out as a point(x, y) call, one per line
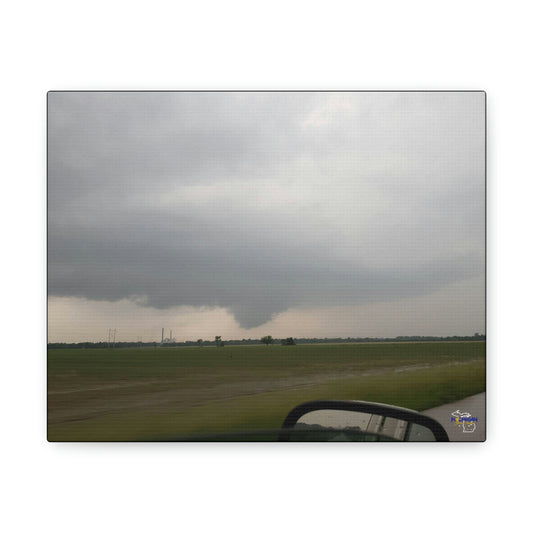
point(244, 214)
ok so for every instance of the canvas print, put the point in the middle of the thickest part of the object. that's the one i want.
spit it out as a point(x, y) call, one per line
point(289, 266)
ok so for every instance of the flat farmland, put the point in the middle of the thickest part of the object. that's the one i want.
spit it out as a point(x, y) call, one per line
point(160, 393)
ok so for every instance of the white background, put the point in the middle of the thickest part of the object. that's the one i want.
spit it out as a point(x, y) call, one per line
point(271, 45)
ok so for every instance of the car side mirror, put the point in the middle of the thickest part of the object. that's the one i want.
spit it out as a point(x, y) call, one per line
point(356, 421)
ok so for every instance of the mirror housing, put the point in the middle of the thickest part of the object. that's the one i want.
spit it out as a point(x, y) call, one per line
point(332, 420)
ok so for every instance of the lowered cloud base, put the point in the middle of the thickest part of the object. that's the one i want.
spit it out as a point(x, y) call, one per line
point(266, 203)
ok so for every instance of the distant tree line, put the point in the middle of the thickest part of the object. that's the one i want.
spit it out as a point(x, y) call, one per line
point(289, 341)
point(265, 340)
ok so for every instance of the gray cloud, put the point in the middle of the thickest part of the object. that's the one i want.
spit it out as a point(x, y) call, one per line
point(259, 202)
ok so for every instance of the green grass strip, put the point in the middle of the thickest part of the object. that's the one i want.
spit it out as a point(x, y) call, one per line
point(416, 389)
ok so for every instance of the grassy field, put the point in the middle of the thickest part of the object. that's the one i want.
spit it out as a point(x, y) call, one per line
point(160, 393)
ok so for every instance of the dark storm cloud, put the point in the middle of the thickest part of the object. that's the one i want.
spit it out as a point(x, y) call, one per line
point(259, 202)
point(143, 140)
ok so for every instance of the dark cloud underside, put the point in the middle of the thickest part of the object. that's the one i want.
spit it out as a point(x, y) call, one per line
point(259, 202)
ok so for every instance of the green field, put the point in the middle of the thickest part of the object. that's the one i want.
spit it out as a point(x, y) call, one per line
point(160, 393)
